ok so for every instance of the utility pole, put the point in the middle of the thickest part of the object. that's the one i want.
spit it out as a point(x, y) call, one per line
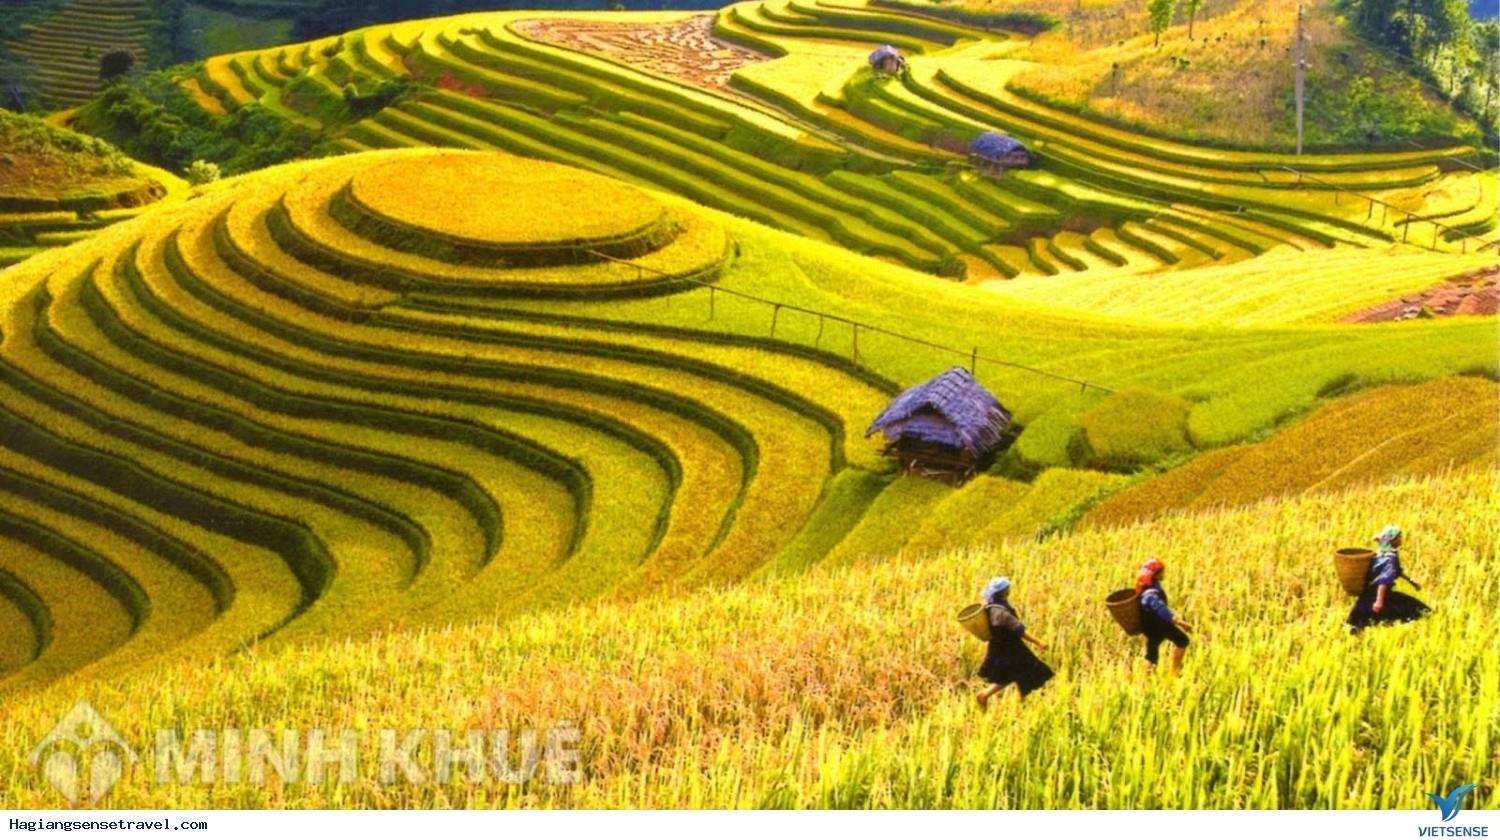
point(1300, 57)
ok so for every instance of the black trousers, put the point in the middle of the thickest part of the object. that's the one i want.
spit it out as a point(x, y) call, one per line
point(1158, 631)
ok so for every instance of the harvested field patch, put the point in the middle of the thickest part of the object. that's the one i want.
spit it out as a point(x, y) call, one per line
point(1476, 293)
point(686, 50)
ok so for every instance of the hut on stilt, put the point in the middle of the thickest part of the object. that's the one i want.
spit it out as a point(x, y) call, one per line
point(888, 60)
point(994, 153)
point(944, 428)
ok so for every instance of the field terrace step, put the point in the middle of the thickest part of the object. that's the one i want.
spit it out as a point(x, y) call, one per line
point(762, 18)
point(569, 142)
point(173, 607)
point(25, 624)
point(761, 411)
point(426, 366)
point(461, 543)
point(54, 47)
point(556, 405)
point(216, 298)
point(968, 82)
point(85, 623)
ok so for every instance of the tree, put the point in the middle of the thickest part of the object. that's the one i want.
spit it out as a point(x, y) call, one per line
point(1192, 7)
point(1486, 62)
point(1161, 16)
point(114, 64)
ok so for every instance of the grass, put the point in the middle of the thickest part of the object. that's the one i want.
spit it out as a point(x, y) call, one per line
point(1344, 445)
point(1229, 84)
point(1336, 283)
point(347, 443)
point(1276, 708)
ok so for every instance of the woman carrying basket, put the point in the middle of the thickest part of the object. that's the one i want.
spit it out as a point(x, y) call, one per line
point(1378, 604)
point(1008, 659)
point(1158, 622)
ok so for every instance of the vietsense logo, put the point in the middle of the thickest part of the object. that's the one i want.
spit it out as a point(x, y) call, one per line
point(1449, 806)
point(1454, 801)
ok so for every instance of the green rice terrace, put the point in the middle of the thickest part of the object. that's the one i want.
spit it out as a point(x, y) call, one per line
point(64, 47)
point(58, 187)
point(790, 127)
point(580, 316)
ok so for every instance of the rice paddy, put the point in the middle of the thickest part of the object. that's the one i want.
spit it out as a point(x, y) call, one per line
point(548, 401)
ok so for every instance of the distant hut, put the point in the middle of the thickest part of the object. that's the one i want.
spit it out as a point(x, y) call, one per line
point(943, 428)
point(887, 59)
point(994, 152)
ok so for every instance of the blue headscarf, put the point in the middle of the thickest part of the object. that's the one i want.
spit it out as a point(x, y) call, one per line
point(996, 586)
point(1387, 535)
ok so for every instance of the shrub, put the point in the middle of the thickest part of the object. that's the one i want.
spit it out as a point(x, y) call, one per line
point(368, 98)
point(1132, 428)
point(202, 172)
point(153, 119)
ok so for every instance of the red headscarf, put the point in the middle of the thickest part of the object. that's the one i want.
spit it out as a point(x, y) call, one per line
point(1147, 574)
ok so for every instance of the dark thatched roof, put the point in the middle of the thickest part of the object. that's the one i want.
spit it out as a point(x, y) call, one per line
point(883, 52)
point(993, 144)
point(950, 409)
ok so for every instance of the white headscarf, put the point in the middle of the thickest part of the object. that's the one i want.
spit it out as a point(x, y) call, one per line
point(994, 587)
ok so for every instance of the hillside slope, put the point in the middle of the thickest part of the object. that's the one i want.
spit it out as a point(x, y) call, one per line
point(57, 186)
point(63, 48)
point(809, 141)
point(1228, 79)
point(846, 688)
point(331, 397)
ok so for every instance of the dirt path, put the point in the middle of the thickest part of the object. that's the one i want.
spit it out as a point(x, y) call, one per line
point(1477, 293)
point(686, 50)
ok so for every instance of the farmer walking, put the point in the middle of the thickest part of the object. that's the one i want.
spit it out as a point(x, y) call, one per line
point(1379, 603)
point(1008, 660)
point(1158, 622)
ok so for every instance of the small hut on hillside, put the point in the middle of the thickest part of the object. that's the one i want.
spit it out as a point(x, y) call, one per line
point(944, 428)
point(994, 152)
point(887, 59)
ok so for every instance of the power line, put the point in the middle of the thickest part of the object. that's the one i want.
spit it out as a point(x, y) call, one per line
point(1411, 218)
point(1301, 62)
point(973, 354)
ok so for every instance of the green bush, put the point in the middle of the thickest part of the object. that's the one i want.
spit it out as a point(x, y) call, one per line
point(1376, 110)
point(368, 97)
point(1132, 428)
point(31, 135)
point(202, 172)
point(153, 119)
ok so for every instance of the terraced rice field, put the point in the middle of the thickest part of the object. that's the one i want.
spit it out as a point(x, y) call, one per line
point(806, 139)
point(738, 697)
point(58, 47)
point(57, 188)
point(391, 408)
point(247, 368)
point(565, 419)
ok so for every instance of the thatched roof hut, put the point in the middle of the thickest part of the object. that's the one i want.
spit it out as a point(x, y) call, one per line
point(887, 59)
point(995, 150)
point(943, 428)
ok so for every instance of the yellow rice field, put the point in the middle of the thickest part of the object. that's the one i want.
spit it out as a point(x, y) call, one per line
point(849, 686)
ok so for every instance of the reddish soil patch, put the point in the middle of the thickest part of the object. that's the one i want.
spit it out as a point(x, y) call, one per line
point(685, 50)
point(1476, 293)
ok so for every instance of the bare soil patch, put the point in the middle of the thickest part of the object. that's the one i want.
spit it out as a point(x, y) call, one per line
point(685, 50)
point(1476, 293)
